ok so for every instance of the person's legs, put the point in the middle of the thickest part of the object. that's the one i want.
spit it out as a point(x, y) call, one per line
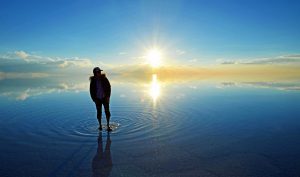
point(107, 113)
point(99, 112)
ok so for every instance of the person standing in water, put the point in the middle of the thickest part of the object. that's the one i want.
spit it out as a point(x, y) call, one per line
point(100, 91)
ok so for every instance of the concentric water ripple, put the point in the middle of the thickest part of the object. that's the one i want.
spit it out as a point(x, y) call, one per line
point(130, 123)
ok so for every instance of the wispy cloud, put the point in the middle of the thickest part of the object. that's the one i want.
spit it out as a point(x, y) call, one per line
point(122, 53)
point(25, 62)
point(33, 58)
point(180, 52)
point(193, 60)
point(285, 59)
point(228, 62)
point(21, 64)
point(287, 86)
point(60, 62)
point(20, 75)
point(83, 63)
point(23, 55)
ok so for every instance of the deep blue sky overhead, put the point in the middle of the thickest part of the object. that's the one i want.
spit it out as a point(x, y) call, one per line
point(119, 31)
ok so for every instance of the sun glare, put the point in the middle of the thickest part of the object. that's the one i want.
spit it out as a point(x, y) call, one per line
point(154, 58)
point(154, 90)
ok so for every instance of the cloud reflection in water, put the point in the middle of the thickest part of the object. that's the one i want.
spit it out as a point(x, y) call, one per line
point(22, 89)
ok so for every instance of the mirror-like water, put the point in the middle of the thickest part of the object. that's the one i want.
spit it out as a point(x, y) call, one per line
point(178, 129)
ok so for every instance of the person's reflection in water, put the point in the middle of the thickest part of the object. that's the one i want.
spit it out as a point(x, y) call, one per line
point(102, 162)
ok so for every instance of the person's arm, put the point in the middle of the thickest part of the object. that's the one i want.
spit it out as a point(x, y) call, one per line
point(107, 89)
point(92, 90)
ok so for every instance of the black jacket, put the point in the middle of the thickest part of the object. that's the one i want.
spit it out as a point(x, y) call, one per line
point(93, 87)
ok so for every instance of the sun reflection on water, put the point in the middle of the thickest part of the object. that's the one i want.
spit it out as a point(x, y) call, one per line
point(154, 90)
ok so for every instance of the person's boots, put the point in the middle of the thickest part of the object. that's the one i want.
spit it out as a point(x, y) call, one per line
point(100, 125)
point(108, 127)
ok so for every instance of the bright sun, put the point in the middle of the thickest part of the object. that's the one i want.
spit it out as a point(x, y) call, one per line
point(154, 58)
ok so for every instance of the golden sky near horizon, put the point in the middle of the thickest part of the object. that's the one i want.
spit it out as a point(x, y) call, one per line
point(218, 72)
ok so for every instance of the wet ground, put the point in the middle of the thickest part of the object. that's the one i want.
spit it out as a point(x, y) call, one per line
point(191, 129)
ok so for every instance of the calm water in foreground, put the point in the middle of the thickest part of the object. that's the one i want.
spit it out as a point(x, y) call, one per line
point(183, 129)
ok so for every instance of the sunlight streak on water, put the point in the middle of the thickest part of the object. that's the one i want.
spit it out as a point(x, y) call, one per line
point(154, 90)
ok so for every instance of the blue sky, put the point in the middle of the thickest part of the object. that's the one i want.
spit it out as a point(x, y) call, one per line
point(120, 31)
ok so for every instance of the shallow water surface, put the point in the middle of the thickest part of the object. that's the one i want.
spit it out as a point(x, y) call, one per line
point(183, 129)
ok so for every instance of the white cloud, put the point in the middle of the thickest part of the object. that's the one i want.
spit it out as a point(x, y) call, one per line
point(20, 75)
point(32, 58)
point(122, 53)
point(23, 95)
point(229, 62)
point(226, 62)
point(49, 61)
point(21, 54)
point(293, 56)
point(193, 60)
point(82, 63)
point(287, 86)
point(180, 52)
point(285, 59)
